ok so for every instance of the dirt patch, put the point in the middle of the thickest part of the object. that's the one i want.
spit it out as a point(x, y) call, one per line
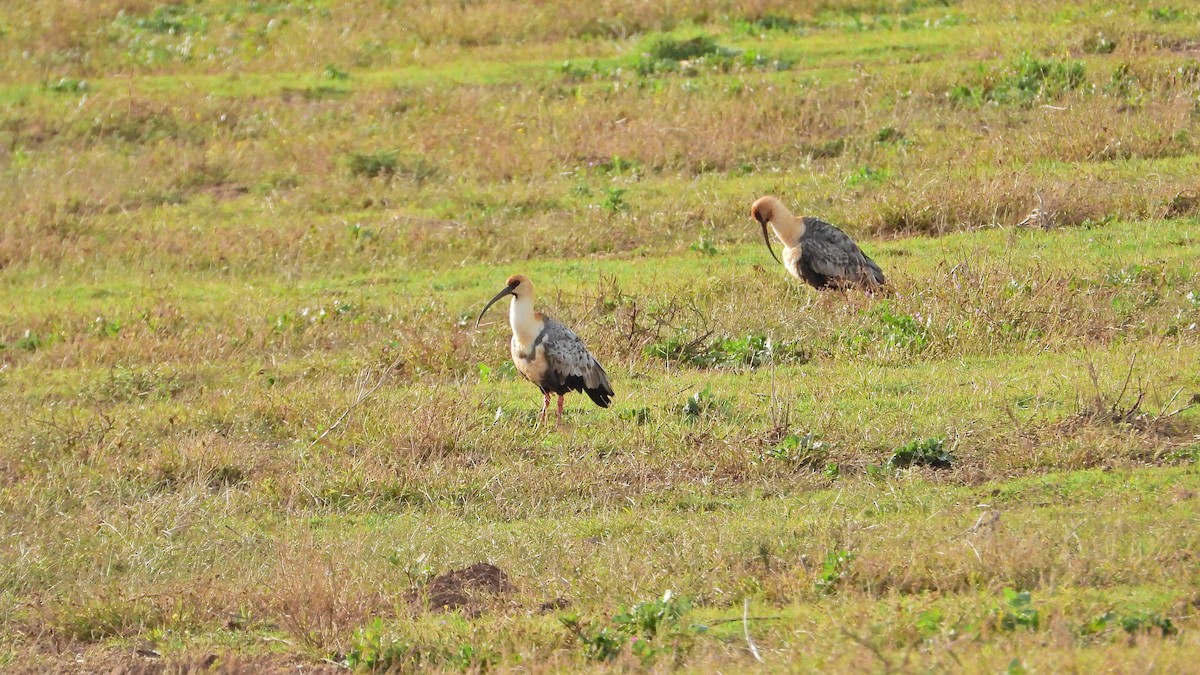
point(85, 659)
point(1182, 204)
point(1185, 46)
point(553, 605)
point(468, 589)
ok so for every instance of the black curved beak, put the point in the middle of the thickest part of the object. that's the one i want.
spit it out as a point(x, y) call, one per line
point(767, 238)
point(507, 291)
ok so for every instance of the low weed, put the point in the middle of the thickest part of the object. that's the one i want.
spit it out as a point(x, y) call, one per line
point(704, 246)
point(649, 630)
point(373, 649)
point(1016, 612)
point(833, 570)
point(865, 175)
point(890, 331)
point(703, 403)
point(805, 450)
point(614, 200)
point(929, 452)
point(1131, 622)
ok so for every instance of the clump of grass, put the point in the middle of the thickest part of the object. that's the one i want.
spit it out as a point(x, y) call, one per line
point(1025, 80)
point(29, 341)
point(706, 351)
point(166, 20)
point(674, 49)
point(889, 135)
point(825, 149)
point(387, 164)
point(617, 166)
point(132, 384)
point(694, 55)
point(102, 618)
point(382, 163)
point(775, 22)
point(374, 648)
point(1098, 43)
point(203, 174)
point(67, 85)
point(332, 72)
point(315, 93)
point(1168, 14)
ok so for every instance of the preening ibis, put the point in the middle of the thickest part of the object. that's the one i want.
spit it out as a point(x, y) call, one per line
point(548, 353)
point(814, 251)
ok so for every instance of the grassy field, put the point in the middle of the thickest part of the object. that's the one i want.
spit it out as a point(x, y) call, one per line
point(250, 424)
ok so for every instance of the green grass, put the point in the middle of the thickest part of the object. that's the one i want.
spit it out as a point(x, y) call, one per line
point(250, 419)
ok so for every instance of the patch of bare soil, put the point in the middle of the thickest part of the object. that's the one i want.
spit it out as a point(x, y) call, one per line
point(96, 659)
point(469, 589)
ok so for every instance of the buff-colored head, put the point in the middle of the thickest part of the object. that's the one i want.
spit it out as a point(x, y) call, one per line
point(768, 209)
point(518, 285)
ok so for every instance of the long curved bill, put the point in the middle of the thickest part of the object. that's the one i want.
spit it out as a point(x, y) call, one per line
point(507, 291)
point(768, 240)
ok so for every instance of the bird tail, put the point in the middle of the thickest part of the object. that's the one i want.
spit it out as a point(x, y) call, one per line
point(601, 396)
point(602, 393)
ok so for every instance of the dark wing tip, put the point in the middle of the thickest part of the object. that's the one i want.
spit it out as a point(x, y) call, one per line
point(600, 396)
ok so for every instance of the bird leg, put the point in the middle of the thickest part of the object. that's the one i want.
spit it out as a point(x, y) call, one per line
point(560, 405)
point(545, 407)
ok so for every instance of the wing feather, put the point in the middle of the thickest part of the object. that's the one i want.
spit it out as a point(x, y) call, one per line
point(570, 366)
point(834, 254)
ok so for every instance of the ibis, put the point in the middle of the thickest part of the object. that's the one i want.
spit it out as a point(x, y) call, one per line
point(547, 353)
point(815, 252)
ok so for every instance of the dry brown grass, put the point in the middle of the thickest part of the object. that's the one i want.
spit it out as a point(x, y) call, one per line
point(210, 260)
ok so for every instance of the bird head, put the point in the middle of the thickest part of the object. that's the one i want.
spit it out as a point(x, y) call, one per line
point(518, 286)
point(764, 211)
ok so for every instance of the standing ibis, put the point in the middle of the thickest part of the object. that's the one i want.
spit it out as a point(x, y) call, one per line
point(548, 353)
point(814, 251)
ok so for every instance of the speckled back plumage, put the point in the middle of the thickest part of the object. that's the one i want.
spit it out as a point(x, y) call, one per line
point(569, 365)
point(829, 258)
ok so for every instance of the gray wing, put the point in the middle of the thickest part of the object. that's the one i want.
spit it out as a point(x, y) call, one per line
point(571, 366)
point(834, 254)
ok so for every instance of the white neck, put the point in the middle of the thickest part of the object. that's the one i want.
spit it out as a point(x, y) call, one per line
point(524, 321)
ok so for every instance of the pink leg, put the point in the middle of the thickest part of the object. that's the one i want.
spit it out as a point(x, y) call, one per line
point(545, 407)
point(560, 404)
